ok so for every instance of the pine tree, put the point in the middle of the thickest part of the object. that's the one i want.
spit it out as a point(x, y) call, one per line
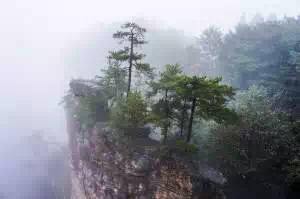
point(133, 36)
point(207, 99)
point(164, 109)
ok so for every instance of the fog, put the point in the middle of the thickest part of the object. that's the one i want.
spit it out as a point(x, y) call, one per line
point(45, 43)
point(39, 37)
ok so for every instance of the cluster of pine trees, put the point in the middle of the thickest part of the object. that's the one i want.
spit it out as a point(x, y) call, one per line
point(173, 99)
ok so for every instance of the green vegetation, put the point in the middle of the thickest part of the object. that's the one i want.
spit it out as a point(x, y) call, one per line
point(186, 147)
point(207, 98)
point(132, 114)
point(114, 80)
point(248, 128)
point(164, 110)
point(134, 35)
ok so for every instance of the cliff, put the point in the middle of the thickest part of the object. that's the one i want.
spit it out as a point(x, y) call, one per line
point(108, 165)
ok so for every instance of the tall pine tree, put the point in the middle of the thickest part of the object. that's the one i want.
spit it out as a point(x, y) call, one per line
point(133, 36)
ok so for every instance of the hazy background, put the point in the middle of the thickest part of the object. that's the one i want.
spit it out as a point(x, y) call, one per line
point(44, 43)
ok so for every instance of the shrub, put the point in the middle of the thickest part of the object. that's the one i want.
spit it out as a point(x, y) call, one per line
point(131, 114)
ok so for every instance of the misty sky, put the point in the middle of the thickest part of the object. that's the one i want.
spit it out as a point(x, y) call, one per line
point(36, 34)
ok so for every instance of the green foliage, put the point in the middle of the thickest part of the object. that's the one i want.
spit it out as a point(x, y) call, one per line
point(83, 114)
point(186, 147)
point(113, 81)
point(169, 76)
point(289, 85)
point(208, 99)
point(179, 148)
point(130, 114)
point(205, 97)
point(132, 35)
point(131, 28)
point(164, 110)
point(252, 132)
point(293, 170)
point(265, 53)
point(261, 136)
point(256, 52)
point(167, 79)
point(90, 110)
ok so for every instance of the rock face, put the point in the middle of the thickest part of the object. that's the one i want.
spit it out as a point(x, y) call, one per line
point(107, 167)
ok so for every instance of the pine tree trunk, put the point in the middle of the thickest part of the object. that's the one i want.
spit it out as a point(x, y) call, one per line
point(130, 65)
point(182, 118)
point(191, 120)
point(166, 125)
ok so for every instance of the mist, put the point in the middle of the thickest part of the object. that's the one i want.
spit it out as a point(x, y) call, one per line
point(44, 44)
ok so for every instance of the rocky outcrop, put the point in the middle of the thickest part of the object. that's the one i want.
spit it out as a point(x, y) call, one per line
point(109, 165)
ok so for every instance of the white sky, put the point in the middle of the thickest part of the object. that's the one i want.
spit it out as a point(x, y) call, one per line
point(34, 35)
point(62, 16)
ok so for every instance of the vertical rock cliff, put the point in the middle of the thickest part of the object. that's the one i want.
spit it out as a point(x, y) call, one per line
point(106, 165)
